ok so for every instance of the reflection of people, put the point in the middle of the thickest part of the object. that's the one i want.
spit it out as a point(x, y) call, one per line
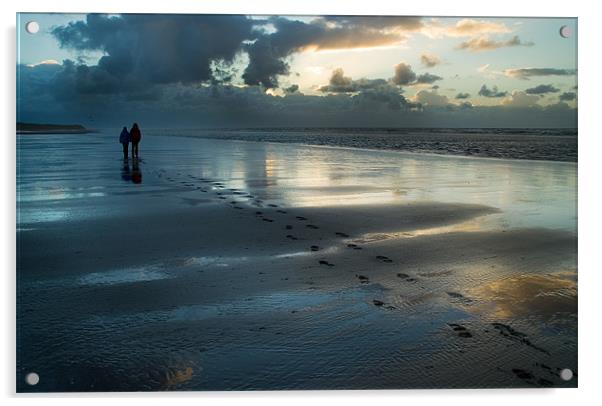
point(124, 139)
point(136, 173)
point(125, 171)
point(135, 137)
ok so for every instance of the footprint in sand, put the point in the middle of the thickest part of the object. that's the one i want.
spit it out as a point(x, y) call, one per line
point(460, 297)
point(273, 205)
point(281, 211)
point(268, 220)
point(323, 262)
point(384, 259)
point(288, 227)
point(380, 303)
point(314, 248)
point(354, 246)
point(291, 237)
point(461, 330)
point(363, 278)
point(312, 226)
point(301, 218)
point(523, 374)
point(344, 235)
point(222, 197)
point(258, 213)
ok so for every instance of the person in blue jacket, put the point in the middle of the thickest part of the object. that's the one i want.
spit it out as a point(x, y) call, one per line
point(124, 139)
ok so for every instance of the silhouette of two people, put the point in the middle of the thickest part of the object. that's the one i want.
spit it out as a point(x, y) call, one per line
point(125, 138)
point(134, 136)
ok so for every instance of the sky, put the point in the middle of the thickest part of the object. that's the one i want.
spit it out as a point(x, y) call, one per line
point(309, 71)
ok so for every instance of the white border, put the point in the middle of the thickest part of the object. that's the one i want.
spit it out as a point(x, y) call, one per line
point(590, 226)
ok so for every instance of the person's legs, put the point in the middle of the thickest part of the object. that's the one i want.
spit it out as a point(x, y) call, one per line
point(136, 149)
point(133, 149)
point(125, 150)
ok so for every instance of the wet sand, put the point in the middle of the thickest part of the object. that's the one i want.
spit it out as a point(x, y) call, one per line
point(230, 265)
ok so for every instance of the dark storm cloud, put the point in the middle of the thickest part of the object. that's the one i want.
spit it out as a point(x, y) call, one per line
point(155, 48)
point(268, 54)
point(493, 92)
point(186, 48)
point(526, 73)
point(567, 96)
point(542, 89)
point(461, 96)
point(427, 78)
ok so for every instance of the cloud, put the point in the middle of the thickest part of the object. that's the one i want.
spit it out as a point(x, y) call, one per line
point(520, 99)
point(542, 89)
point(223, 105)
point(339, 83)
point(427, 78)
point(404, 75)
point(291, 89)
point(268, 54)
point(429, 60)
point(384, 23)
point(365, 92)
point(483, 43)
point(428, 98)
point(567, 96)
point(44, 62)
point(167, 70)
point(526, 73)
point(156, 48)
point(464, 28)
point(493, 92)
point(461, 96)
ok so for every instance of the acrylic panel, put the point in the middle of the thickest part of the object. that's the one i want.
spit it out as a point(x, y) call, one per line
point(249, 202)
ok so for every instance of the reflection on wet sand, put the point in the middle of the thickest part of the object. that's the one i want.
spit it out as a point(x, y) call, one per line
point(529, 295)
point(175, 377)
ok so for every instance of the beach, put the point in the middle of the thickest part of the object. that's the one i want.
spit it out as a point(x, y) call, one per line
point(223, 264)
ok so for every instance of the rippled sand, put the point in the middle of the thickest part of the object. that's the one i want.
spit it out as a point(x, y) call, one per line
point(220, 265)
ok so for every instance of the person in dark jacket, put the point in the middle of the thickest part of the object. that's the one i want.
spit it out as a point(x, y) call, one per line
point(135, 137)
point(124, 139)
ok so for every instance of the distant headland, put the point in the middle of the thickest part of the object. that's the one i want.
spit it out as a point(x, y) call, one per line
point(31, 128)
